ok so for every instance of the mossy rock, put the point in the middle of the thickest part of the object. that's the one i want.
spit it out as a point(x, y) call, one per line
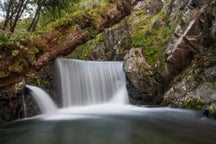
point(192, 103)
point(210, 111)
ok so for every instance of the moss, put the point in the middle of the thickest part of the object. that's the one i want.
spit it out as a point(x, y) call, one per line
point(4, 36)
point(140, 12)
point(37, 81)
point(197, 71)
point(152, 33)
point(185, 72)
point(212, 33)
point(153, 42)
point(192, 103)
point(211, 85)
point(109, 56)
point(84, 50)
point(3, 74)
point(212, 111)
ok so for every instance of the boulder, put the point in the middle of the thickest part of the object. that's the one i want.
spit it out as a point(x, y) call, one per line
point(140, 74)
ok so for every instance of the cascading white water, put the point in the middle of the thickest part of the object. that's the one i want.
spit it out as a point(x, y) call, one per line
point(88, 82)
point(85, 83)
point(43, 100)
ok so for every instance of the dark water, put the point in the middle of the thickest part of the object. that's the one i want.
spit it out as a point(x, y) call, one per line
point(113, 126)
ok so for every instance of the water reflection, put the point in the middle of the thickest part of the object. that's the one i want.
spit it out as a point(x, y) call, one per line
point(135, 126)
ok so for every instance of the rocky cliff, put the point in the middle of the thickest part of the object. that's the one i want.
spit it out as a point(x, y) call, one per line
point(168, 48)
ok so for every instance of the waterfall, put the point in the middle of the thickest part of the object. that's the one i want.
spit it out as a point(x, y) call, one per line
point(85, 83)
point(43, 100)
point(91, 82)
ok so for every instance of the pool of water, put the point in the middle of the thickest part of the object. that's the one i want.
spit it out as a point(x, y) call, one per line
point(112, 125)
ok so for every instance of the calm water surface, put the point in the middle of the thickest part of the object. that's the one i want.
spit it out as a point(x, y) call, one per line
point(112, 125)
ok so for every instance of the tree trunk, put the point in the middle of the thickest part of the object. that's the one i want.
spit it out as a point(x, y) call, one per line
point(8, 16)
point(21, 8)
point(33, 24)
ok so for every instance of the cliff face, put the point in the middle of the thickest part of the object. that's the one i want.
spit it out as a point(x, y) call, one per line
point(186, 64)
point(168, 48)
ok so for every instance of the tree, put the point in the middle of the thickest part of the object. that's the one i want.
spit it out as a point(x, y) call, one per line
point(40, 4)
point(49, 8)
point(14, 10)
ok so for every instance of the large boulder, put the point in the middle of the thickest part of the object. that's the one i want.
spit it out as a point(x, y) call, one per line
point(141, 76)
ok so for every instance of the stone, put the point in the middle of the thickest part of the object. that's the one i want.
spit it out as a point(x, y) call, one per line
point(187, 41)
point(141, 76)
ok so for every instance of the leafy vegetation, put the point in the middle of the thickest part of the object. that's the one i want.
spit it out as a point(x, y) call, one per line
point(30, 11)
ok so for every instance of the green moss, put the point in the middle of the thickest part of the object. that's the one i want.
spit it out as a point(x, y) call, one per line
point(4, 37)
point(197, 71)
point(212, 110)
point(185, 72)
point(192, 103)
point(153, 33)
point(84, 50)
point(140, 11)
point(109, 56)
point(211, 85)
point(3, 74)
point(37, 81)
point(153, 41)
point(212, 33)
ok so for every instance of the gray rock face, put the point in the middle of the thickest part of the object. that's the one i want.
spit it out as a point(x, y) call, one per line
point(199, 84)
point(188, 39)
point(140, 75)
point(114, 44)
point(190, 62)
point(152, 7)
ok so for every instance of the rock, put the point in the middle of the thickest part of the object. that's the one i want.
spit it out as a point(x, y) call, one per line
point(113, 44)
point(187, 41)
point(152, 7)
point(197, 86)
point(139, 73)
point(210, 111)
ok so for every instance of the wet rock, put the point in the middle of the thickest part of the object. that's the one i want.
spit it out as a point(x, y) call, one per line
point(210, 111)
point(139, 73)
point(11, 107)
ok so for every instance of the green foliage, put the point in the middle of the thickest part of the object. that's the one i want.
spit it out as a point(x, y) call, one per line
point(140, 12)
point(212, 110)
point(213, 33)
point(84, 50)
point(37, 81)
point(185, 72)
point(4, 36)
point(197, 71)
point(192, 103)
